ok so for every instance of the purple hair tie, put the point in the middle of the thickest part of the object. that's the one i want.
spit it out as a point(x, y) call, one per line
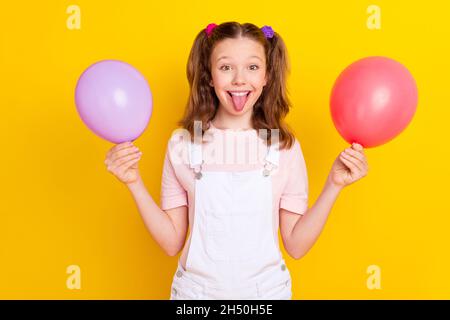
point(268, 31)
point(209, 29)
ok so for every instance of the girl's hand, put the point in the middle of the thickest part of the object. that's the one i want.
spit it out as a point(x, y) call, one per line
point(122, 161)
point(349, 166)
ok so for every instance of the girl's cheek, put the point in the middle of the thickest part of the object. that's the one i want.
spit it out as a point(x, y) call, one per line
point(257, 79)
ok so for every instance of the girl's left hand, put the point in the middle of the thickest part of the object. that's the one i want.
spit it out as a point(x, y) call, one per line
point(349, 166)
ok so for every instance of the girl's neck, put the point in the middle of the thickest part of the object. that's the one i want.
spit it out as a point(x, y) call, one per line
point(237, 123)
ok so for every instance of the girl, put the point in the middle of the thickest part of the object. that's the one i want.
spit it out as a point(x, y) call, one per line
point(237, 75)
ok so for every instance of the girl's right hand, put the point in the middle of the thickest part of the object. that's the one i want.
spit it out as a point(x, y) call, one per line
point(122, 161)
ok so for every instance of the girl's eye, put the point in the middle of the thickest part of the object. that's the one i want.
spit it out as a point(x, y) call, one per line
point(227, 67)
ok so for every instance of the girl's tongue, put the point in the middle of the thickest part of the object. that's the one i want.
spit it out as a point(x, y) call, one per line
point(239, 101)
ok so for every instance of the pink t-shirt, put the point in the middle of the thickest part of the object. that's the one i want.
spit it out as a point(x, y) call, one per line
point(289, 180)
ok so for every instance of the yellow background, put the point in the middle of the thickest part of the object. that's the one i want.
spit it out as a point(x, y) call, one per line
point(60, 207)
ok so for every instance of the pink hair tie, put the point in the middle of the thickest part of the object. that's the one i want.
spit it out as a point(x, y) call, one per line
point(209, 29)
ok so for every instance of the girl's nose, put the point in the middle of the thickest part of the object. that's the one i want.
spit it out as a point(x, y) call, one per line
point(238, 78)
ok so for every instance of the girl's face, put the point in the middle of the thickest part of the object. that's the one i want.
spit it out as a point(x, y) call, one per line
point(238, 71)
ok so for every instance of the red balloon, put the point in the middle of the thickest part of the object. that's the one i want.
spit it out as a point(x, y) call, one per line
point(373, 100)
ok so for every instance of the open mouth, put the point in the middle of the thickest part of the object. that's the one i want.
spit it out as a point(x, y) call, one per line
point(238, 93)
point(239, 99)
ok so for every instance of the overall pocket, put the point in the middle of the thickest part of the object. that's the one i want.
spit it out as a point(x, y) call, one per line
point(183, 288)
point(276, 284)
point(281, 290)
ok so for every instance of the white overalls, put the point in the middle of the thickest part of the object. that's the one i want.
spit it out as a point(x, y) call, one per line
point(233, 253)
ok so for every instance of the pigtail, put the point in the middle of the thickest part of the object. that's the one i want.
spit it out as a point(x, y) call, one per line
point(201, 97)
point(275, 92)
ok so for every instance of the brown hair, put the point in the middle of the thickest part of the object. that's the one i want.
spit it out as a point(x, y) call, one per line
point(273, 104)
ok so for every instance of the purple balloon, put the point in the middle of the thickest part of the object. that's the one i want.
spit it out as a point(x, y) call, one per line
point(114, 100)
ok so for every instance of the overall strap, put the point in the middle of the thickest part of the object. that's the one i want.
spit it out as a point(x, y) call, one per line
point(272, 159)
point(273, 154)
point(195, 154)
point(195, 158)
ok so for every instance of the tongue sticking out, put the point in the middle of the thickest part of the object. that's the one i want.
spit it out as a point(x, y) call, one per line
point(239, 102)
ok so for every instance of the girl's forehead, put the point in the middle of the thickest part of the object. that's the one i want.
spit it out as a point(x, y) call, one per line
point(237, 49)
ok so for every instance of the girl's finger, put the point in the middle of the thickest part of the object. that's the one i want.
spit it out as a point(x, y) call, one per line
point(349, 165)
point(355, 167)
point(121, 153)
point(118, 162)
point(125, 166)
point(120, 146)
point(124, 152)
point(357, 147)
point(357, 155)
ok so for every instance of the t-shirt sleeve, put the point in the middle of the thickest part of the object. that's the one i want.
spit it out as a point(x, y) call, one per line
point(294, 196)
point(172, 192)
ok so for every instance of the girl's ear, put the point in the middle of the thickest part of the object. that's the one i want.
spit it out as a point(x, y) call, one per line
point(211, 84)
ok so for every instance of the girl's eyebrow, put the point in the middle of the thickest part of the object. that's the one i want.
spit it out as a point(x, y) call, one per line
point(226, 57)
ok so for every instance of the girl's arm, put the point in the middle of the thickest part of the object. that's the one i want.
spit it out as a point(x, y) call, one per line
point(308, 227)
point(168, 228)
point(349, 166)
